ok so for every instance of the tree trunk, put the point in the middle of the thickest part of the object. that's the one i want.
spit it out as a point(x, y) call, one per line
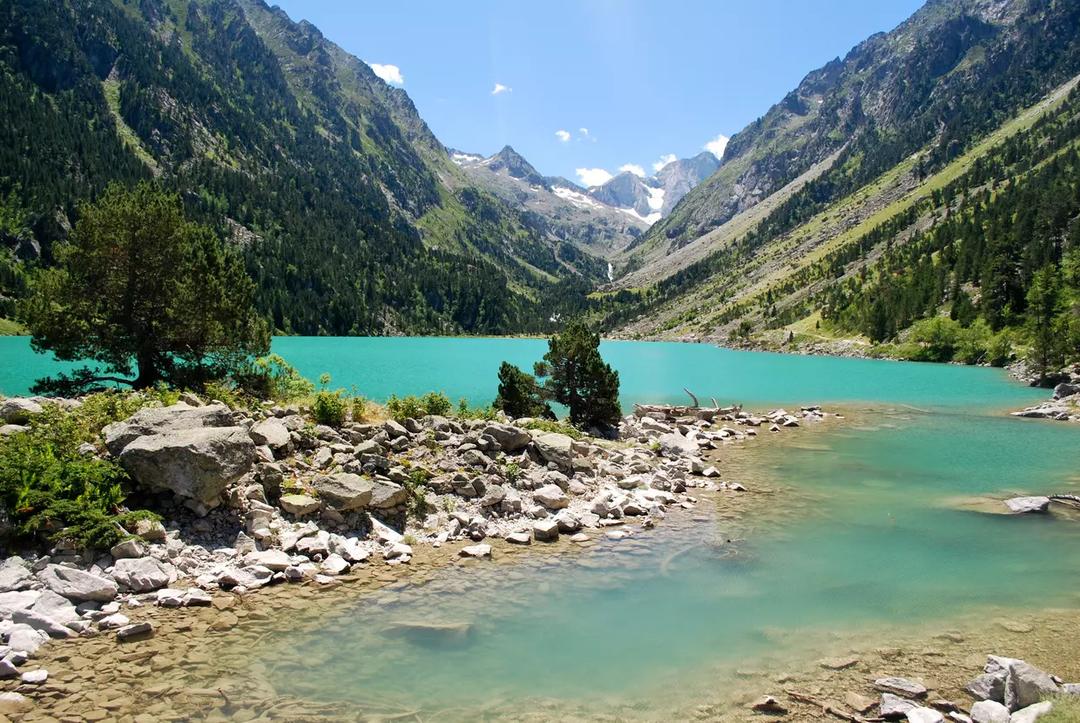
point(149, 374)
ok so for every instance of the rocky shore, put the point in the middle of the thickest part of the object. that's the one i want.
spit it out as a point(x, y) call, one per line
point(253, 499)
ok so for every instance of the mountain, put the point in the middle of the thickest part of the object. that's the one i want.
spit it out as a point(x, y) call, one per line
point(558, 209)
point(651, 198)
point(351, 216)
point(932, 172)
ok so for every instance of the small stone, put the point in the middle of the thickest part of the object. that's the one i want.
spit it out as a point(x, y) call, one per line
point(579, 537)
point(893, 707)
point(135, 631)
point(127, 548)
point(519, 538)
point(1025, 505)
point(298, 504)
point(989, 711)
point(335, 565)
point(901, 686)
point(1032, 713)
point(859, 703)
point(114, 621)
point(924, 715)
point(838, 663)
point(476, 551)
point(546, 530)
point(768, 704)
point(35, 677)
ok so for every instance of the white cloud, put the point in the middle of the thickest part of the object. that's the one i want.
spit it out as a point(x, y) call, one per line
point(663, 161)
point(717, 145)
point(593, 176)
point(390, 73)
point(500, 88)
point(633, 168)
point(584, 131)
point(562, 135)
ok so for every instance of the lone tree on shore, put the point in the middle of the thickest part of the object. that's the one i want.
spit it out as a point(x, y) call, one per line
point(577, 376)
point(148, 295)
point(519, 394)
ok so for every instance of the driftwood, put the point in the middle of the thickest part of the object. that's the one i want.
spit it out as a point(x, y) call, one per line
point(692, 396)
point(673, 411)
point(1067, 499)
point(828, 708)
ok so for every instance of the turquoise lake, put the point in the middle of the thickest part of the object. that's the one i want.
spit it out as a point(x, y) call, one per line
point(864, 525)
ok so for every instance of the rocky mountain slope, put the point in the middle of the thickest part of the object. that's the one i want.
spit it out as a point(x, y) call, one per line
point(651, 198)
point(349, 211)
point(949, 74)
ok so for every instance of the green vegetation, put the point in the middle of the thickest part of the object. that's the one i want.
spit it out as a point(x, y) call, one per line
point(52, 489)
point(551, 425)
point(519, 395)
point(412, 407)
point(139, 288)
point(331, 407)
point(1066, 710)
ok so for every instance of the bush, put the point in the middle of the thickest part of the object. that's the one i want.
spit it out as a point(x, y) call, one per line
point(519, 394)
point(411, 407)
point(547, 425)
point(467, 411)
point(330, 407)
point(271, 377)
point(50, 489)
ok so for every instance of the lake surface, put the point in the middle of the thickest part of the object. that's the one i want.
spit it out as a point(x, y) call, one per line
point(863, 525)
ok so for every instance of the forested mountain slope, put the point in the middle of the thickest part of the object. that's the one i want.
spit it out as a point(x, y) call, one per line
point(948, 75)
point(349, 212)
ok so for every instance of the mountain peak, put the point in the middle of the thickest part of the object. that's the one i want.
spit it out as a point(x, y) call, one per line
point(516, 166)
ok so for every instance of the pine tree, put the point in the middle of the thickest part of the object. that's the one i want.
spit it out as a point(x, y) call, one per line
point(577, 376)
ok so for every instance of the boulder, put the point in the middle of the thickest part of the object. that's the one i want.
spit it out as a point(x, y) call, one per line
point(143, 574)
point(1022, 505)
point(519, 538)
point(508, 437)
point(127, 548)
point(150, 530)
point(275, 560)
point(35, 677)
point(297, 504)
point(394, 429)
point(14, 575)
point(555, 448)
point(546, 530)
point(316, 544)
point(988, 686)
point(1065, 389)
point(989, 711)
point(477, 551)
point(77, 584)
point(335, 565)
point(192, 463)
point(1027, 685)
point(674, 444)
point(344, 491)
point(18, 410)
point(551, 497)
point(1032, 713)
point(271, 432)
point(160, 420)
point(922, 714)
point(386, 494)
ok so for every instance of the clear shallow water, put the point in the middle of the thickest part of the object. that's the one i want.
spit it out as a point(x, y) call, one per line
point(866, 530)
point(866, 535)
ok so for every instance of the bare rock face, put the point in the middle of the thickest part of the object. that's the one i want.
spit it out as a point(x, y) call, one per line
point(192, 463)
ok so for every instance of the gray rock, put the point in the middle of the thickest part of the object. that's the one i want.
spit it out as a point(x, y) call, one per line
point(385, 495)
point(394, 429)
point(24, 638)
point(519, 538)
point(160, 420)
point(1070, 688)
point(508, 437)
point(272, 433)
point(551, 497)
point(14, 575)
point(555, 448)
point(150, 530)
point(1022, 505)
point(348, 548)
point(12, 704)
point(674, 444)
point(924, 715)
point(192, 463)
point(988, 686)
point(167, 597)
point(989, 711)
point(297, 504)
point(6, 430)
point(1032, 713)
point(135, 631)
point(1065, 389)
point(128, 548)
point(55, 607)
point(275, 560)
point(19, 410)
point(196, 598)
point(143, 574)
point(335, 565)
point(77, 584)
point(344, 491)
point(316, 544)
point(477, 551)
point(893, 707)
point(901, 686)
point(8, 669)
point(546, 530)
point(1026, 685)
point(114, 621)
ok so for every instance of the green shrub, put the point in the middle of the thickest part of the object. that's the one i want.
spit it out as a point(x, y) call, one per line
point(417, 506)
point(51, 490)
point(411, 407)
point(547, 425)
point(271, 377)
point(999, 349)
point(467, 411)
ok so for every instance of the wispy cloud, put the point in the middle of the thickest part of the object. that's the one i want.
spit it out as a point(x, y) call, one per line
point(593, 176)
point(663, 161)
point(562, 135)
point(632, 168)
point(500, 89)
point(390, 73)
point(717, 145)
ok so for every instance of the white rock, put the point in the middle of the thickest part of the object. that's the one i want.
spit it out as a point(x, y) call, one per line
point(546, 530)
point(1022, 505)
point(477, 551)
point(170, 598)
point(128, 548)
point(1032, 713)
point(275, 560)
point(114, 621)
point(989, 711)
point(35, 677)
point(901, 686)
point(77, 584)
point(136, 630)
point(519, 538)
point(143, 574)
point(194, 597)
point(924, 715)
point(335, 565)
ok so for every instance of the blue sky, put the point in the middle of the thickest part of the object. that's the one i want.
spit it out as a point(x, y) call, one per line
point(626, 81)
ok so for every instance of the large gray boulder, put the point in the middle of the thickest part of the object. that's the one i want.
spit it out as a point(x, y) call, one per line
point(77, 584)
point(989, 711)
point(674, 444)
point(386, 494)
point(555, 448)
point(193, 463)
point(271, 432)
point(508, 437)
point(14, 575)
point(344, 491)
point(551, 497)
point(18, 410)
point(160, 420)
point(1027, 685)
point(143, 574)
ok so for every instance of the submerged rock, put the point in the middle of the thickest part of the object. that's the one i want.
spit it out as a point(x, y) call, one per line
point(1023, 505)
